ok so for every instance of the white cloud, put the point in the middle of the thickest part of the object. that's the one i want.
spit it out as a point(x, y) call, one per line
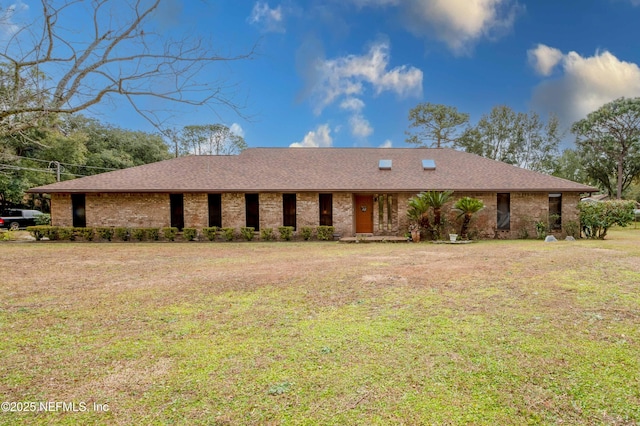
point(377, 3)
point(321, 137)
point(7, 25)
point(586, 84)
point(270, 20)
point(387, 144)
point(544, 58)
point(458, 23)
point(360, 126)
point(352, 104)
point(236, 129)
point(345, 76)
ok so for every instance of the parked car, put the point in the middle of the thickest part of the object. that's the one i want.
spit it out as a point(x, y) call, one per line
point(18, 218)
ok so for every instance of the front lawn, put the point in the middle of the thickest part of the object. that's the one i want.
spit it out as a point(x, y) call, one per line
point(495, 332)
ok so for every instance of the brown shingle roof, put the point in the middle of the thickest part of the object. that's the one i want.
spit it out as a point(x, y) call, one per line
point(321, 169)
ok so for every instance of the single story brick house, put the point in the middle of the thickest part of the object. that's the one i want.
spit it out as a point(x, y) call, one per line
point(356, 190)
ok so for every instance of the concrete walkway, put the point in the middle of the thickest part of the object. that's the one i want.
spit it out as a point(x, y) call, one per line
point(373, 239)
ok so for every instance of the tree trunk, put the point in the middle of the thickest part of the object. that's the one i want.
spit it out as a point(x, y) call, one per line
point(620, 179)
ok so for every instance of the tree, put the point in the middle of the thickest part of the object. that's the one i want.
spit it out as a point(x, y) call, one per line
point(608, 142)
point(45, 69)
point(569, 166)
point(516, 138)
point(597, 217)
point(467, 207)
point(76, 146)
point(438, 124)
point(210, 139)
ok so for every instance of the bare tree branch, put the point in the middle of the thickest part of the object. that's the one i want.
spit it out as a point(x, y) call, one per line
point(45, 69)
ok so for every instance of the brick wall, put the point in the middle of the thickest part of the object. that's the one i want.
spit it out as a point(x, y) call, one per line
point(61, 210)
point(308, 209)
point(196, 211)
point(343, 221)
point(130, 209)
point(270, 210)
point(233, 210)
point(526, 209)
point(153, 210)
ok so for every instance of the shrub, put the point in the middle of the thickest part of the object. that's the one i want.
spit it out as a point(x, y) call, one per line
point(7, 235)
point(138, 233)
point(286, 232)
point(64, 233)
point(247, 232)
point(597, 218)
point(122, 233)
point(572, 228)
point(266, 234)
point(228, 233)
point(170, 233)
point(43, 219)
point(325, 233)
point(189, 234)
point(210, 232)
point(38, 231)
point(541, 229)
point(87, 234)
point(153, 233)
point(306, 232)
point(105, 233)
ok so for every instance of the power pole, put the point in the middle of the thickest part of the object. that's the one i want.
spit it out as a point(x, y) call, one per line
point(58, 167)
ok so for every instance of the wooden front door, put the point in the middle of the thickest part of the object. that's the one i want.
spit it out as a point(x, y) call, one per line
point(364, 214)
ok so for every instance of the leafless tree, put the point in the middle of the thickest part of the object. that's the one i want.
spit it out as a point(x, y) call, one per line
point(48, 66)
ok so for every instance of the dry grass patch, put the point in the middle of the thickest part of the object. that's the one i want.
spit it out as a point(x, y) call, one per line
point(497, 332)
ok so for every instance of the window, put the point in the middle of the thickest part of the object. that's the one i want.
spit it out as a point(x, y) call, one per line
point(252, 203)
point(326, 209)
point(289, 210)
point(79, 211)
point(555, 211)
point(504, 212)
point(177, 210)
point(215, 210)
point(385, 212)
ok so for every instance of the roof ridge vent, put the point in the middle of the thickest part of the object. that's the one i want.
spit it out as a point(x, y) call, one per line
point(385, 164)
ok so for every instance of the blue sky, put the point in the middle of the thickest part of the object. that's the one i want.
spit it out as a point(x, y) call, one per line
point(345, 73)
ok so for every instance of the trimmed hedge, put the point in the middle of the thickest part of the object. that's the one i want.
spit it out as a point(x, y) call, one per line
point(170, 233)
point(325, 233)
point(211, 232)
point(189, 234)
point(105, 233)
point(266, 234)
point(122, 233)
point(306, 232)
point(229, 233)
point(247, 232)
point(286, 232)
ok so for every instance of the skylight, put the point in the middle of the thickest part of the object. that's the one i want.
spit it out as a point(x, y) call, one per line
point(385, 164)
point(429, 164)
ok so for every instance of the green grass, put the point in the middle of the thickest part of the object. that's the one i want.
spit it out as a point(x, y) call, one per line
point(497, 332)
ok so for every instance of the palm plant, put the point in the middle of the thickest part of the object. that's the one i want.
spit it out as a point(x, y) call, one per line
point(467, 207)
point(417, 214)
point(436, 200)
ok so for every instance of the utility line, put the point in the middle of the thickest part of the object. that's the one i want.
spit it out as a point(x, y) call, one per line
point(64, 164)
point(12, 167)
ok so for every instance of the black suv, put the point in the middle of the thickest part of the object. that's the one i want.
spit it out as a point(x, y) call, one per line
point(17, 218)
